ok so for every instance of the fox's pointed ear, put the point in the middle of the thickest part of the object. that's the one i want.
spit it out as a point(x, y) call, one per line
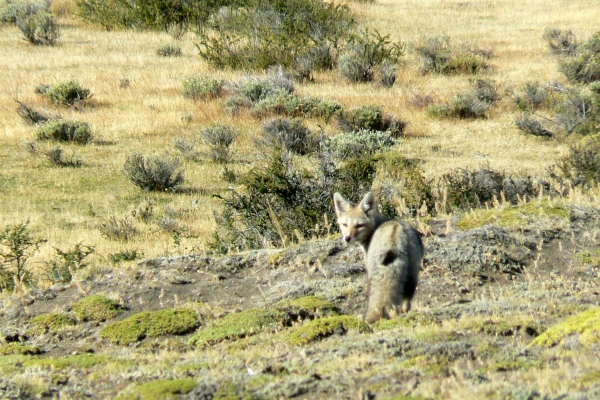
point(341, 204)
point(368, 203)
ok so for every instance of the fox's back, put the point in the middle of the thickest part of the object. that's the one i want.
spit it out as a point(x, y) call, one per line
point(395, 242)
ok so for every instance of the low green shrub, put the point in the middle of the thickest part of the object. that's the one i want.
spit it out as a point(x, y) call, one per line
point(369, 118)
point(66, 93)
point(472, 189)
point(153, 173)
point(201, 87)
point(123, 229)
point(531, 126)
point(30, 115)
point(438, 55)
point(584, 66)
point(65, 131)
point(462, 106)
point(66, 263)
point(581, 166)
point(96, 308)
point(150, 324)
point(49, 323)
point(360, 143)
point(531, 96)
point(17, 246)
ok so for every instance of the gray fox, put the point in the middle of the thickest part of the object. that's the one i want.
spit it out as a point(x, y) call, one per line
point(393, 252)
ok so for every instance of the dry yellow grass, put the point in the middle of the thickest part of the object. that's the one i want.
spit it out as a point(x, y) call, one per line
point(66, 206)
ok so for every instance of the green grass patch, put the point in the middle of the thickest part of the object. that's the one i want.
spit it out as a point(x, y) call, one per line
point(19, 349)
point(96, 308)
point(150, 324)
point(160, 389)
point(513, 215)
point(589, 257)
point(411, 319)
point(586, 324)
point(50, 322)
point(308, 307)
point(324, 327)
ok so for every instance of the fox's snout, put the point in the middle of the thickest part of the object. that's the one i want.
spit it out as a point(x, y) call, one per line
point(347, 239)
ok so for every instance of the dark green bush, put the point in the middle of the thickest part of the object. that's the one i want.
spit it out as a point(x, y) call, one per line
point(438, 55)
point(371, 118)
point(219, 137)
point(274, 33)
point(153, 172)
point(66, 263)
point(584, 66)
point(201, 87)
point(169, 50)
point(125, 255)
point(65, 131)
point(39, 28)
point(485, 90)
point(582, 165)
point(531, 96)
point(366, 51)
point(17, 246)
point(470, 189)
point(290, 135)
point(280, 204)
point(66, 93)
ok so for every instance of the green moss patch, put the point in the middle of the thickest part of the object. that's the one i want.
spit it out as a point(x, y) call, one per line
point(237, 325)
point(513, 215)
point(20, 349)
point(51, 322)
point(255, 320)
point(160, 389)
point(96, 308)
point(151, 324)
point(324, 327)
point(586, 324)
point(589, 257)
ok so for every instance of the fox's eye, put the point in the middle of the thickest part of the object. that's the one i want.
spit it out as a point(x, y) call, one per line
point(345, 225)
point(359, 225)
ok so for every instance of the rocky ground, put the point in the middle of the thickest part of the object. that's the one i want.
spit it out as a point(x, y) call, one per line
point(283, 323)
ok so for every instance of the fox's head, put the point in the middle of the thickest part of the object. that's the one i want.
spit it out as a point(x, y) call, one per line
point(357, 221)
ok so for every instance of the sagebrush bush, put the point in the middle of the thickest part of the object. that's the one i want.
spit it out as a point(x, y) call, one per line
point(220, 137)
point(39, 28)
point(485, 90)
point(169, 50)
point(462, 106)
point(532, 95)
point(153, 172)
point(123, 229)
point(65, 131)
point(290, 135)
point(365, 52)
point(201, 87)
point(369, 118)
point(531, 126)
point(57, 158)
point(30, 115)
point(291, 105)
point(387, 73)
point(256, 88)
point(438, 55)
point(66, 93)
point(561, 42)
point(361, 143)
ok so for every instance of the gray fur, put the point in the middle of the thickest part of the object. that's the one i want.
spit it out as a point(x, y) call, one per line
point(393, 253)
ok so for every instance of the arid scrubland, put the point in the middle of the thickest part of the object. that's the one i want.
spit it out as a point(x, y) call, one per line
point(149, 304)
